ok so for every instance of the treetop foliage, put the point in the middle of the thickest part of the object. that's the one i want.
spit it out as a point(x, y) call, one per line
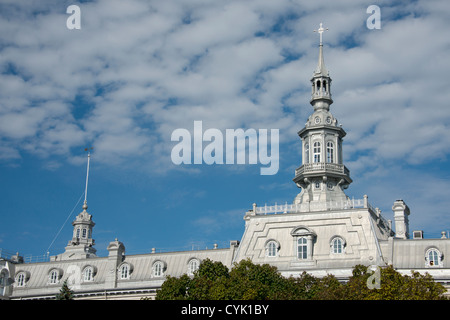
point(249, 281)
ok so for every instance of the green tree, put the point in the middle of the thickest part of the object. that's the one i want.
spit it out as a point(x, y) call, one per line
point(174, 288)
point(65, 293)
point(393, 286)
point(246, 280)
point(249, 281)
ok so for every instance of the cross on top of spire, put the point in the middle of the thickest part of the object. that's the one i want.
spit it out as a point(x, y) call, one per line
point(320, 31)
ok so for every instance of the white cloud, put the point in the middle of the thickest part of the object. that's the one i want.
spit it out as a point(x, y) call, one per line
point(146, 68)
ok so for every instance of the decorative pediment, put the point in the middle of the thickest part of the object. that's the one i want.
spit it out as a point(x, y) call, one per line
point(302, 231)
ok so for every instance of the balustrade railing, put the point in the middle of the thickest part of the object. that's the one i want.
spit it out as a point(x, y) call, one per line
point(322, 166)
point(311, 206)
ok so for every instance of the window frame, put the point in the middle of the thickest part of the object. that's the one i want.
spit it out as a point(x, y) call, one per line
point(306, 153)
point(272, 247)
point(124, 271)
point(193, 266)
point(436, 261)
point(303, 234)
point(158, 269)
point(88, 274)
point(340, 249)
point(54, 276)
point(302, 248)
point(330, 152)
point(317, 149)
point(21, 279)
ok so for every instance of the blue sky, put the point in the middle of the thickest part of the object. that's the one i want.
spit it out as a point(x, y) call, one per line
point(138, 70)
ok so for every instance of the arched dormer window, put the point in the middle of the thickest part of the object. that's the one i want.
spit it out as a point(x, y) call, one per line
point(337, 245)
point(4, 276)
point(433, 258)
point(124, 271)
point(21, 279)
point(272, 247)
point(158, 269)
point(193, 266)
point(54, 276)
point(88, 274)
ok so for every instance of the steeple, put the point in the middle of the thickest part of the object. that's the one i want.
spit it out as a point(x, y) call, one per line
point(322, 175)
point(321, 81)
point(81, 244)
point(321, 65)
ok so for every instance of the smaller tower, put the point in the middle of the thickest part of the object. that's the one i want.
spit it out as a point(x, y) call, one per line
point(81, 244)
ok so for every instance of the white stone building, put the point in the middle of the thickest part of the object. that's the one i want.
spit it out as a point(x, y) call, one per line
point(322, 232)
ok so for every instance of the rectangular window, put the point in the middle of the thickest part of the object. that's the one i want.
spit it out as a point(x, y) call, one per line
point(302, 249)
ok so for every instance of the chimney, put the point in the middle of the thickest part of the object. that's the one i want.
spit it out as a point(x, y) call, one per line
point(401, 213)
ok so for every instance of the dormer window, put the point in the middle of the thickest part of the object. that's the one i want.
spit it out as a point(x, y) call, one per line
point(272, 248)
point(433, 258)
point(337, 245)
point(304, 239)
point(193, 266)
point(88, 274)
point(158, 269)
point(124, 271)
point(21, 279)
point(54, 276)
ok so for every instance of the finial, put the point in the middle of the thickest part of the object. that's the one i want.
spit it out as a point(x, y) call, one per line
point(320, 31)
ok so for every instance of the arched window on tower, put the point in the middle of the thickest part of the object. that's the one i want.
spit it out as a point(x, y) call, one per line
point(330, 152)
point(306, 153)
point(324, 86)
point(316, 151)
point(318, 86)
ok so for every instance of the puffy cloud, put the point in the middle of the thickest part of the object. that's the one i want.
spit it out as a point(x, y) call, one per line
point(137, 71)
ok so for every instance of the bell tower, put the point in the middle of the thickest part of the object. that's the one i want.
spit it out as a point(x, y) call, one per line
point(322, 175)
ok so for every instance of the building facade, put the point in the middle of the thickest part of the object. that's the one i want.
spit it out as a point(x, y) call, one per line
point(321, 232)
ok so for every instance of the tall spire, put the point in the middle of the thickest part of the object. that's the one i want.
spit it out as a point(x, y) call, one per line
point(321, 81)
point(321, 65)
point(87, 178)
